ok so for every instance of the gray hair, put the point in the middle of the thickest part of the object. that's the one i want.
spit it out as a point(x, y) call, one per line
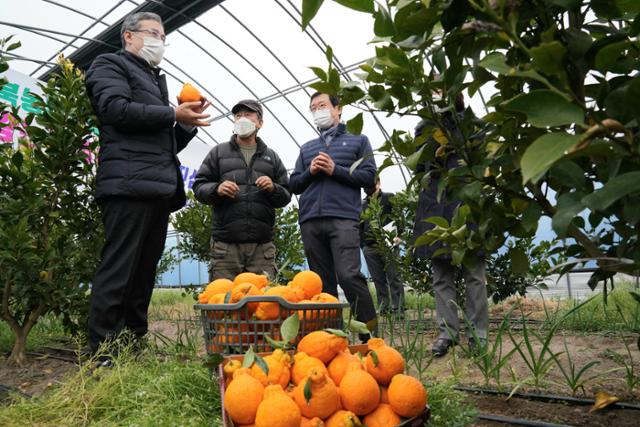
point(132, 22)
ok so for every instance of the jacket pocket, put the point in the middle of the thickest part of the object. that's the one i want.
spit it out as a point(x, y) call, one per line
point(269, 250)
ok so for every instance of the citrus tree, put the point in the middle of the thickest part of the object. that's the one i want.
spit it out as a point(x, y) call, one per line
point(559, 137)
point(50, 230)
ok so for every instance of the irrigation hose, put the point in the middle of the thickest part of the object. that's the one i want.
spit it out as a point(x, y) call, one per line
point(517, 421)
point(546, 397)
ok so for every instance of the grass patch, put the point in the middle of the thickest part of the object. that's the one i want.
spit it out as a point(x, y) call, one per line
point(171, 304)
point(621, 313)
point(419, 300)
point(150, 391)
point(449, 408)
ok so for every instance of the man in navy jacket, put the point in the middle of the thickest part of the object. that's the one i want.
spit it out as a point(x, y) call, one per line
point(138, 181)
point(330, 204)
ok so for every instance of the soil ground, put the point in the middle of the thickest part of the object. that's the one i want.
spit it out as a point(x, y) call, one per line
point(45, 371)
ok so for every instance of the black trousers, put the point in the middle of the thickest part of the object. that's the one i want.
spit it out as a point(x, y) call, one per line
point(135, 234)
point(332, 247)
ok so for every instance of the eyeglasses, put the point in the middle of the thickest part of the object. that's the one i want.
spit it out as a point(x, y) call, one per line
point(154, 33)
point(319, 106)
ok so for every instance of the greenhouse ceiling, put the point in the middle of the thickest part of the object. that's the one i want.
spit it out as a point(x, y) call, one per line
point(231, 49)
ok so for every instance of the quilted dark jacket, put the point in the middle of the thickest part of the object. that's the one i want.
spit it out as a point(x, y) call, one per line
point(249, 217)
point(338, 195)
point(139, 140)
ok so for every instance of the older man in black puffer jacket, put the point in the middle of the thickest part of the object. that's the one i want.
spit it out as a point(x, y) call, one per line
point(138, 180)
point(244, 181)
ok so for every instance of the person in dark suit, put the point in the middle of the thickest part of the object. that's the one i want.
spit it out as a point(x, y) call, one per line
point(431, 203)
point(329, 187)
point(138, 179)
point(383, 271)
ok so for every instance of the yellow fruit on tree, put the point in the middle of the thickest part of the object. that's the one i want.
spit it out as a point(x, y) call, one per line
point(359, 392)
point(277, 409)
point(302, 365)
point(242, 397)
point(383, 361)
point(407, 396)
point(343, 418)
point(382, 416)
point(322, 345)
point(317, 395)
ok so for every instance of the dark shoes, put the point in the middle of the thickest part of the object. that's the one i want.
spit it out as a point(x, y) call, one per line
point(441, 347)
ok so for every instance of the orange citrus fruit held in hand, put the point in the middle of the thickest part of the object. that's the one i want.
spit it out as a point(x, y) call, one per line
point(189, 93)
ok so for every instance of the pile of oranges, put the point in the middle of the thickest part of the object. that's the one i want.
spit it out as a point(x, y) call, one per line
point(323, 384)
point(305, 288)
point(237, 327)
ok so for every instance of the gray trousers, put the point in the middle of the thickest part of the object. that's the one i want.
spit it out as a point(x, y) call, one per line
point(389, 289)
point(230, 259)
point(476, 305)
point(332, 247)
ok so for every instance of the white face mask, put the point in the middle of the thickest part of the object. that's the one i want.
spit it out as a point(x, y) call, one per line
point(244, 127)
point(322, 118)
point(152, 51)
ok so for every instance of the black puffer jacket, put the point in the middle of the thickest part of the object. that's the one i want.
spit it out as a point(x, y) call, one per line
point(139, 140)
point(249, 217)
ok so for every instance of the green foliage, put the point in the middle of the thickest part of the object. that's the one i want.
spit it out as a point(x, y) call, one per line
point(561, 133)
point(288, 240)
point(504, 278)
point(193, 224)
point(449, 408)
point(50, 233)
point(620, 314)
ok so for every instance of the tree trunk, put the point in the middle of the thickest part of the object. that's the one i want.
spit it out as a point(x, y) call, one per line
point(18, 354)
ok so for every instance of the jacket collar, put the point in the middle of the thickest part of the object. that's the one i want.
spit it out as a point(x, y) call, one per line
point(260, 147)
point(141, 62)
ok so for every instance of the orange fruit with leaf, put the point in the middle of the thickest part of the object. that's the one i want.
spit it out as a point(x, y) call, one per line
point(383, 361)
point(302, 365)
point(317, 395)
point(278, 368)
